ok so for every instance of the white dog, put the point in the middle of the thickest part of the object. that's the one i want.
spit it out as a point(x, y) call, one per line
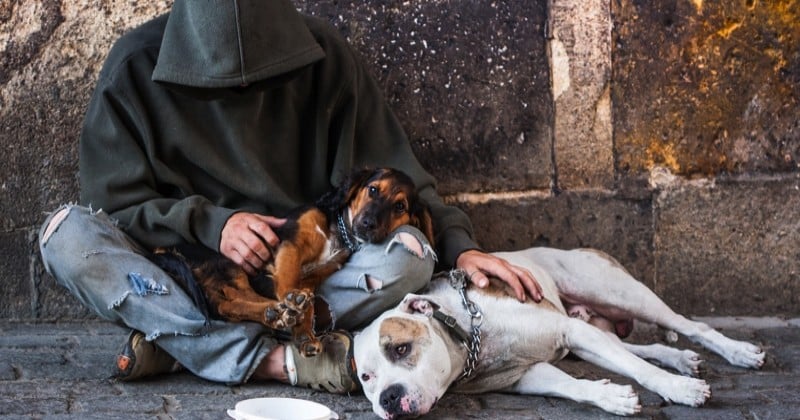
point(486, 340)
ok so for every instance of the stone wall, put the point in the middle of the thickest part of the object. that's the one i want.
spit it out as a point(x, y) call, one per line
point(664, 133)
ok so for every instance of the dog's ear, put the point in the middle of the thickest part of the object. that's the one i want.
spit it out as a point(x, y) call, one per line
point(416, 304)
point(335, 200)
point(421, 219)
point(357, 179)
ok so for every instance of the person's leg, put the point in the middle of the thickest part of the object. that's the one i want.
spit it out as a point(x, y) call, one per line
point(377, 277)
point(107, 272)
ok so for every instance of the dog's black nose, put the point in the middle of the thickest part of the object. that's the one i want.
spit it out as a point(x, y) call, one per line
point(368, 223)
point(390, 398)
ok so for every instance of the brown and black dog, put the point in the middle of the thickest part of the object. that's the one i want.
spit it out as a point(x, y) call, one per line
point(315, 241)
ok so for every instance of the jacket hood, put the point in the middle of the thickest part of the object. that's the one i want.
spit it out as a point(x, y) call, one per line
point(227, 43)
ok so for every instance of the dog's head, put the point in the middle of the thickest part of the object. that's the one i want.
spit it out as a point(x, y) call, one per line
point(404, 361)
point(378, 201)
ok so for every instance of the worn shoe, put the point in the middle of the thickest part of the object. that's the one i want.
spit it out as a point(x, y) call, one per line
point(140, 358)
point(333, 370)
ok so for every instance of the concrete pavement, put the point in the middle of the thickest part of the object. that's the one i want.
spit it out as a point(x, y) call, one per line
point(60, 370)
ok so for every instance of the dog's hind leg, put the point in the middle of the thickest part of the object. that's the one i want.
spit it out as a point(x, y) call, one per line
point(597, 280)
point(547, 380)
point(598, 347)
point(686, 362)
point(234, 299)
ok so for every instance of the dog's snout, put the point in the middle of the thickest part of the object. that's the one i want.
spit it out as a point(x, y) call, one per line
point(368, 223)
point(390, 398)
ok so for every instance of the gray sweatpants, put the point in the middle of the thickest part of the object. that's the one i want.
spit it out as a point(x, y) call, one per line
point(107, 271)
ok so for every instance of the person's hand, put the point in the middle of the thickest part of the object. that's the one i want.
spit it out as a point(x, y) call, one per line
point(478, 265)
point(248, 240)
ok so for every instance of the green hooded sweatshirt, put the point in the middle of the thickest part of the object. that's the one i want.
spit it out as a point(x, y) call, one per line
point(237, 105)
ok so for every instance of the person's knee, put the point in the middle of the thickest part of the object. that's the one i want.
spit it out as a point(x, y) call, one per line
point(407, 264)
point(53, 223)
point(70, 234)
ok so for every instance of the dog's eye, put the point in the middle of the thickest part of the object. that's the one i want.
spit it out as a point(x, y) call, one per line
point(397, 352)
point(400, 207)
point(365, 377)
point(373, 191)
point(401, 350)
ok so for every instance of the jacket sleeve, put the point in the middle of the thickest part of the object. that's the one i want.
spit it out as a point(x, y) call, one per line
point(117, 176)
point(378, 139)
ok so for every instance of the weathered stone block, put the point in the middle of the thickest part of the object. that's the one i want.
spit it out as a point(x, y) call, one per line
point(706, 87)
point(17, 296)
point(42, 163)
point(51, 54)
point(468, 80)
point(55, 302)
point(580, 58)
point(729, 247)
point(620, 227)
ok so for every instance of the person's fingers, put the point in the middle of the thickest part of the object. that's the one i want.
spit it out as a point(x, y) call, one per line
point(237, 258)
point(256, 246)
point(254, 251)
point(248, 240)
point(511, 278)
point(274, 222)
point(264, 227)
point(532, 287)
point(479, 266)
point(478, 278)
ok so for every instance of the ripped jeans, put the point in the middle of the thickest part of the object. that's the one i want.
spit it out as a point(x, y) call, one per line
point(108, 272)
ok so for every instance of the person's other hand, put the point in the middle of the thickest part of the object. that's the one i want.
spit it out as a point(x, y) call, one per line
point(248, 240)
point(479, 265)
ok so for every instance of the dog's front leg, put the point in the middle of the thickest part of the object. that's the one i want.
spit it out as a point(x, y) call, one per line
point(547, 380)
point(595, 346)
point(318, 273)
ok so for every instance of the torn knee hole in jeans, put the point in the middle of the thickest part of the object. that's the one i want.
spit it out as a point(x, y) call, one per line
point(58, 217)
point(411, 244)
point(372, 283)
point(54, 223)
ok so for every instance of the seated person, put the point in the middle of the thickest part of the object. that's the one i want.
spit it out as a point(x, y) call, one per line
point(205, 124)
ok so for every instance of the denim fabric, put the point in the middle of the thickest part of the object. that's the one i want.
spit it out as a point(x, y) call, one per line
point(398, 267)
point(106, 270)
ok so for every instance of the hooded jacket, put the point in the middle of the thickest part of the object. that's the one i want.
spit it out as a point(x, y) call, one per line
point(223, 106)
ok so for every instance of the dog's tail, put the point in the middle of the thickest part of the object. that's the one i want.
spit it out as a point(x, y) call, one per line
point(176, 265)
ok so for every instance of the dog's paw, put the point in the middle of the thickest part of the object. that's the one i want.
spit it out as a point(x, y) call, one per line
point(580, 311)
point(687, 391)
point(621, 400)
point(298, 300)
point(310, 347)
point(421, 306)
point(686, 362)
point(281, 318)
point(290, 311)
point(744, 354)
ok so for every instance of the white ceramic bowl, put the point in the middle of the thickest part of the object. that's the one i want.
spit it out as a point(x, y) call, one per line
point(280, 409)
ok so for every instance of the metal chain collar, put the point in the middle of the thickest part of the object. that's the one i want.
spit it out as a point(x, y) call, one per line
point(345, 234)
point(459, 280)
